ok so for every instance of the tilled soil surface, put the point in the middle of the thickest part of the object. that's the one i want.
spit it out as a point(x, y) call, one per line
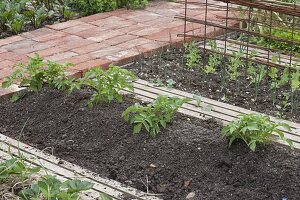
point(188, 158)
point(171, 65)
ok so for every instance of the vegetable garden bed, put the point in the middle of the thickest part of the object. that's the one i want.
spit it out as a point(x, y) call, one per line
point(189, 158)
point(170, 69)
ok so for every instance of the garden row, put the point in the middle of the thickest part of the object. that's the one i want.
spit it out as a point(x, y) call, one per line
point(271, 90)
point(22, 15)
point(104, 87)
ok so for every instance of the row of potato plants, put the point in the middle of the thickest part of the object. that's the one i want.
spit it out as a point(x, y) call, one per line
point(107, 86)
point(232, 68)
point(16, 15)
point(28, 184)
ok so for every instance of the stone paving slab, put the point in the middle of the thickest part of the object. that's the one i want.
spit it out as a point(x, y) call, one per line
point(116, 37)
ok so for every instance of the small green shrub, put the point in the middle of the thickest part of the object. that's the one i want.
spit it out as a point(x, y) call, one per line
point(49, 187)
point(254, 128)
point(106, 83)
point(17, 167)
point(152, 116)
point(192, 55)
point(36, 73)
point(88, 7)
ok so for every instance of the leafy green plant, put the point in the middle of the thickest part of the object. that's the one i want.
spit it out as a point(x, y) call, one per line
point(104, 196)
point(170, 83)
point(295, 85)
point(214, 59)
point(17, 167)
point(253, 129)
point(256, 74)
point(96, 6)
point(106, 83)
point(36, 73)
point(234, 64)
point(273, 74)
point(49, 187)
point(192, 54)
point(37, 16)
point(152, 116)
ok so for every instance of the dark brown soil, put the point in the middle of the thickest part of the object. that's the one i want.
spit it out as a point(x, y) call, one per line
point(188, 156)
point(171, 65)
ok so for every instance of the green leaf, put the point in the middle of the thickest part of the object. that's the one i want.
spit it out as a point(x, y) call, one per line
point(253, 145)
point(17, 96)
point(104, 196)
point(74, 186)
point(163, 123)
point(198, 100)
point(137, 128)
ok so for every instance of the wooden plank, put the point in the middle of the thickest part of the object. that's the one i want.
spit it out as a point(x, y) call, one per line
point(215, 103)
point(150, 92)
point(225, 120)
point(87, 195)
point(108, 186)
point(218, 115)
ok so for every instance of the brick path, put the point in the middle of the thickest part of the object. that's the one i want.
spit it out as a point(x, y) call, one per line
point(115, 37)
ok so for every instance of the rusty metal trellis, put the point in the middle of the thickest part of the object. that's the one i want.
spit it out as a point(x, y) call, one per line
point(250, 19)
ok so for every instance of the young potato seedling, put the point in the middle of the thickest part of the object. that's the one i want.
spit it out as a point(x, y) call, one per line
point(106, 83)
point(254, 128)
point(152, 116)
point(37, 73)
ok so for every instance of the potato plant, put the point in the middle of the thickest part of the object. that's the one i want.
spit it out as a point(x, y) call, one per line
point(107, 84)
point(253, 129)
point(44, 187)
point(154, 115)
point(37, 73)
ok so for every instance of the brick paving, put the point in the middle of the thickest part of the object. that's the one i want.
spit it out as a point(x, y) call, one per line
point(118, 37)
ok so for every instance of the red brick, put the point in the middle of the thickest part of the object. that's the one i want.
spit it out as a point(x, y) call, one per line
point(37, 33)
point(3, 50)
point(95, 17)
point(7, 71)
point(108, 20)
point(120, 39)
point(19, 44)
point(48, 52)
point(105, 52)
point(79, 28)
point(167, 35)
point(146, 31)
point(12, 56)
point(161, 21)
point(106, 35)
point(167, 11)
point(129, 29)
point(91, 32)
point(8, 92)
point(150, 48)
point(50, 36)
point(91, 47)
point(61, 56)
point(31, 48)
point(10, 40)
point(124, 56)
point(64, 25)
point(142, 16)
point(77, 59)
point(6, 64)
point(118, 12)
point(133, 43)
point(69, 42)
point(85, 66)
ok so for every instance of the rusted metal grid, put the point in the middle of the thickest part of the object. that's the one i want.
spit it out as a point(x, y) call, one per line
point(254, 19)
